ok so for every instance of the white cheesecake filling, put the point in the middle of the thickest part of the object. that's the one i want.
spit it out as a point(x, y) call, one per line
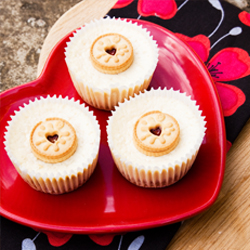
point(121, 125)
point(17, 137)
point(78, 55)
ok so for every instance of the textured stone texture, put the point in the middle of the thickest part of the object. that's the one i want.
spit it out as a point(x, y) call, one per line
point(24, 26)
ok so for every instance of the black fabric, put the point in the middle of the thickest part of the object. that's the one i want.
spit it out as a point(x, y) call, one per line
point(12, 235)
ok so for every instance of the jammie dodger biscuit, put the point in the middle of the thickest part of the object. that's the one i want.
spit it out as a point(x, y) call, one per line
point(111, 53)
point(156, 133)
point(53, 140)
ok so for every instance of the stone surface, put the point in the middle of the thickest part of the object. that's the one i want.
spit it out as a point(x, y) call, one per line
point(24, 26)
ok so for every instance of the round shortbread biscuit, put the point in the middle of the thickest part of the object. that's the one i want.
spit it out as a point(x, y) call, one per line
point(111, 53)
point(53, 140)
point(156, 133)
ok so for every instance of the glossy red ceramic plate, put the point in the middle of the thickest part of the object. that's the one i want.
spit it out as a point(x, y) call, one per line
point(108, 203)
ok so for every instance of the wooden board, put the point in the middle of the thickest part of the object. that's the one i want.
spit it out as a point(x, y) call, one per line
point(225, 225)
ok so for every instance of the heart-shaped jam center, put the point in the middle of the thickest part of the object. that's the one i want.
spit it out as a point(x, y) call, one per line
point(156, 131)
point(52, 138)
point(111, 51)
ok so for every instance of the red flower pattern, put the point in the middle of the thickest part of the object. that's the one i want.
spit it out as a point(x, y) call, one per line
point(231, 96)
point(245, 18)
point(161, 8)
point(57, 239)
point(227, 65)
point(122, 3)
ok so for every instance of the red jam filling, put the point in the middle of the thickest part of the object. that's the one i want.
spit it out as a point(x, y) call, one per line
point(156, 131)
point(52, 138)
point(111, 51)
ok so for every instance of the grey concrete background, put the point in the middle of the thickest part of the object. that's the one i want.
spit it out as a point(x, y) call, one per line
point(24, 27)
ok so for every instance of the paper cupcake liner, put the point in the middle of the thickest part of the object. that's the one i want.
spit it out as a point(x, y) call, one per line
point(71, 173)
point(63, 184)
point(166, 173)
point(154, 179)
point(104, 100)
point(117, 90)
